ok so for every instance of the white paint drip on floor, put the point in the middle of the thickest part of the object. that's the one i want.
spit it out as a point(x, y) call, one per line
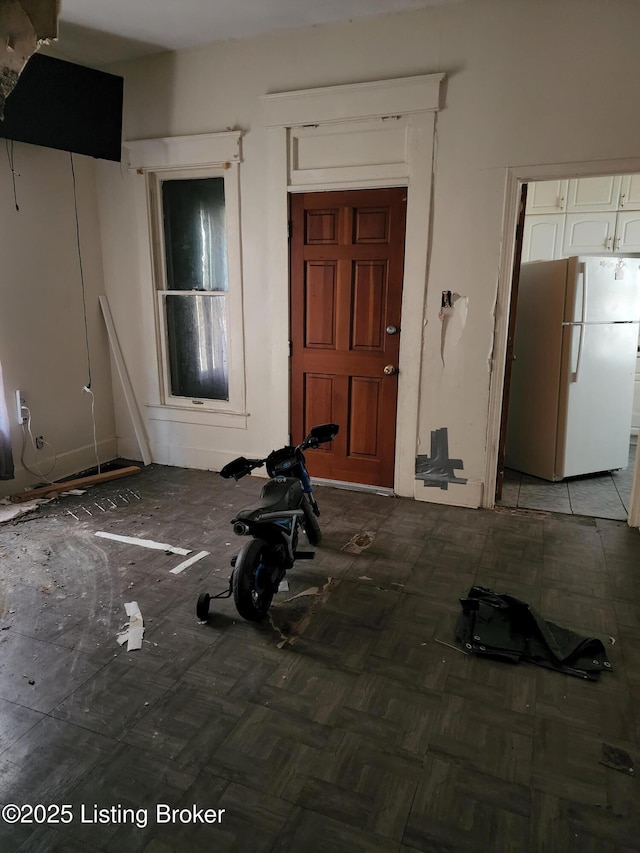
point(186, 563)
point(145, 543)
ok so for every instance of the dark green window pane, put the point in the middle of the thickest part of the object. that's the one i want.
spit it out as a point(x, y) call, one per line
point(195, 234)
point(197, 344)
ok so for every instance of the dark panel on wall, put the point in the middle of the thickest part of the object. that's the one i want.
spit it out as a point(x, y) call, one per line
point(59, 104)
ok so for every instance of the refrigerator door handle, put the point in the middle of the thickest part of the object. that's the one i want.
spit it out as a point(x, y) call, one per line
point(575, 373)
point(585, 290)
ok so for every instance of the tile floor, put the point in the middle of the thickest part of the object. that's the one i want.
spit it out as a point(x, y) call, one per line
point(599, 496)
point(349, 721)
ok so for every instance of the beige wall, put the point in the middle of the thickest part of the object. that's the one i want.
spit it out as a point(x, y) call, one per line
point(42, 331)
point(528, 83)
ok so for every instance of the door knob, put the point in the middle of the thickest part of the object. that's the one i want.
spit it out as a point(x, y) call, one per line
point(390, 369)
point(392, 330)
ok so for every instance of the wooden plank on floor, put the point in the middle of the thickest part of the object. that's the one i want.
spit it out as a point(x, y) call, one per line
point(55, 488)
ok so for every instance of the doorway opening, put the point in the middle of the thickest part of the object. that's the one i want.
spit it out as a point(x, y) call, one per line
point(571, 403)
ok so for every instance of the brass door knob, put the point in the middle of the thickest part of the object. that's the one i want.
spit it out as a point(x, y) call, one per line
point(390, 369)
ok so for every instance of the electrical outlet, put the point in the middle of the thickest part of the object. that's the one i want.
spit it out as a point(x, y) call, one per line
point(39, 442)
point(20, 404)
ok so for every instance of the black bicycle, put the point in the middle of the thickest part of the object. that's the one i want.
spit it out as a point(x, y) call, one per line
point(286, 504)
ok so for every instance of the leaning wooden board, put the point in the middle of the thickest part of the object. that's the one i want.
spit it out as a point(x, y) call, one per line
point(56, 488)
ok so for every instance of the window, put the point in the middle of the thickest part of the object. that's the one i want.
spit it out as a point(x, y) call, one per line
point(196, 274)
point(197, 278)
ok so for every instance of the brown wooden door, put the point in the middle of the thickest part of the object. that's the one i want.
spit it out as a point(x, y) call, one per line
point(347, 259)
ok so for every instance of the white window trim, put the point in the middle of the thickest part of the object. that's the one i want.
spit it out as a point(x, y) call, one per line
point(199, 156)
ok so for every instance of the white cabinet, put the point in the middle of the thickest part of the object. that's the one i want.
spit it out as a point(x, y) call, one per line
point(630, 193)
point(542, 237)
point(593, 233)
point(582, 216)
point(547, 196)
point(627, 237)
point(594, 194)
point(588, 233)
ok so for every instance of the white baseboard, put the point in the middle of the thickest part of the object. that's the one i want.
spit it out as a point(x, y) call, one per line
point(467, 494)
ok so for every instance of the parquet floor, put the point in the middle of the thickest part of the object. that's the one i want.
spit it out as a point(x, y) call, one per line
point(349, 721)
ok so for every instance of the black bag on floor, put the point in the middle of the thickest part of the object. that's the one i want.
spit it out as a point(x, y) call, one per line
point(504, 627)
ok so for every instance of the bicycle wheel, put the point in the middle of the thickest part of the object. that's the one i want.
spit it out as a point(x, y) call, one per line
point(252, 587)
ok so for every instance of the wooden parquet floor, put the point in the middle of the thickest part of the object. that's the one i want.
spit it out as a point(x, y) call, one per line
point(348, 721)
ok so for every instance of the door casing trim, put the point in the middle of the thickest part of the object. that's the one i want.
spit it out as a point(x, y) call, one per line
point(514, 178)
point(417, 100)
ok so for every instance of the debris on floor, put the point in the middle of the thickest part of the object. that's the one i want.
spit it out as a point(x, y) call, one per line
point(52, 489)
point(134, 632)
point(313, 590)
point(449, 646)
point(618, 759)
point(359, 543)
point(506, 628)
point(9, 510)
point(290, 629)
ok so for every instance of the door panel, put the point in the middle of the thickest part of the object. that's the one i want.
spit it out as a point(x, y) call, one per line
point(366, 395)
point(369, 282)
point(347, 259)
point(320, 303)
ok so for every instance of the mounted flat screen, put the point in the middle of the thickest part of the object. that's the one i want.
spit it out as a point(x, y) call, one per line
point(59, 104)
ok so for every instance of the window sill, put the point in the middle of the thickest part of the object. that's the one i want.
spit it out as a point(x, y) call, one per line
point(202, 417)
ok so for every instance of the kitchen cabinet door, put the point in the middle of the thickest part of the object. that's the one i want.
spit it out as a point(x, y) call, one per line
point(627, 232)
point(594, 194)
point(542, 237)
point(630, 192)
point(547, 196)
point(588, 233)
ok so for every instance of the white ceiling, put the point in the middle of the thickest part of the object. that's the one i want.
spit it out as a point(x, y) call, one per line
point(96, 32)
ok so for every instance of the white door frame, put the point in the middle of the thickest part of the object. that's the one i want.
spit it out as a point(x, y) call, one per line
point(348, 113)
point(514, 178)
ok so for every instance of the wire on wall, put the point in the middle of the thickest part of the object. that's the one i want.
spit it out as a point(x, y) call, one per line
point(14, 174)
point(86, 388)
point(84, 295)
point(35, 471)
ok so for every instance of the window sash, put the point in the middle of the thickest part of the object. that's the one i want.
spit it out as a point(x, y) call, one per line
point(232, 298)
point(200, 368)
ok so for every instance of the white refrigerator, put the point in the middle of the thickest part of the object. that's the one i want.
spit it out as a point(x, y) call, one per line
point(572, 381)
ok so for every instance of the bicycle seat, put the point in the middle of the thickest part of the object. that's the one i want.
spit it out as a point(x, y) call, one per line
point(282, 493)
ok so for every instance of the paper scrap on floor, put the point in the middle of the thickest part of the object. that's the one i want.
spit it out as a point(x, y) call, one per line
point(134, 632)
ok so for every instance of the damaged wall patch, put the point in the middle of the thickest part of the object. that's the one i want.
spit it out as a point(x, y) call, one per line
point(438, 469)
point(453, 315)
